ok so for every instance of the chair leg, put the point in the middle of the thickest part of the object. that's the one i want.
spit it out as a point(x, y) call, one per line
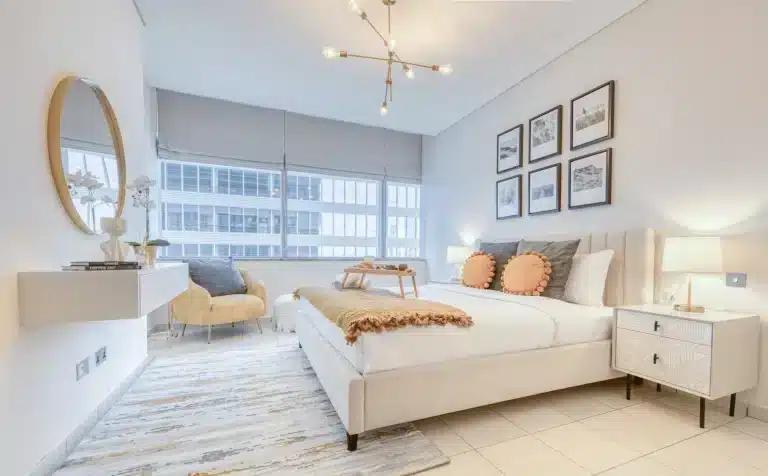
point(183, 329)
point(209, 334)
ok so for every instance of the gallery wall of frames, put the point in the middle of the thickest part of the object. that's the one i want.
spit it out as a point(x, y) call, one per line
point(522, 160)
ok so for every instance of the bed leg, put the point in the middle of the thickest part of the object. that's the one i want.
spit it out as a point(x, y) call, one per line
point(351, 442)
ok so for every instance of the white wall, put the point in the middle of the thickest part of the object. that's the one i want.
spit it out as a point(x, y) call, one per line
point(41, 40)
point(689, 152)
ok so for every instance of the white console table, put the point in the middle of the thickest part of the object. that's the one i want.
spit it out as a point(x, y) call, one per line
point(61, 297)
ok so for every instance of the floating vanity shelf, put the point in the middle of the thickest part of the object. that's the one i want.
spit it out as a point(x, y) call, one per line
point(61, 297)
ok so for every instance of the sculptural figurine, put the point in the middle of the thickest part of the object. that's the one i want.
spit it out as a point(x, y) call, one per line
point(113, 248)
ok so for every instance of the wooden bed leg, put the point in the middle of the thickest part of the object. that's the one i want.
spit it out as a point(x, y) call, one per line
point(351, 442)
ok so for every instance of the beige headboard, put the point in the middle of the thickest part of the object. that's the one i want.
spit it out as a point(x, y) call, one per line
point(631, 275)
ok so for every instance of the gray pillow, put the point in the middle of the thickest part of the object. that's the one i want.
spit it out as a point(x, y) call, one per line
point(560, 254)
point(501, 253)
point(218, 276)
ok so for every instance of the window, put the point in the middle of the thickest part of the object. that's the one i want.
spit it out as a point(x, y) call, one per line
point(329, 216)
point(212, 210)
point(403, 218)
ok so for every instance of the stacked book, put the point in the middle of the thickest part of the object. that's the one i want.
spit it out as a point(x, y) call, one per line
point(101, 265)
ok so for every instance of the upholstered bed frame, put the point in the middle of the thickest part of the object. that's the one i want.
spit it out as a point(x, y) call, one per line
point(371, 401)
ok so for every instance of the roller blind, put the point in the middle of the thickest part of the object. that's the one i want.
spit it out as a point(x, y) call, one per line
point(210, 128)
point(321, 144)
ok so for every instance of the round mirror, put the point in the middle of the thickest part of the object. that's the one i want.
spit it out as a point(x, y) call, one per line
point(86, 153)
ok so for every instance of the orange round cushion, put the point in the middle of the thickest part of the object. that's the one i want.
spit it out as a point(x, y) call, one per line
point(526, 274)
point(479, 270)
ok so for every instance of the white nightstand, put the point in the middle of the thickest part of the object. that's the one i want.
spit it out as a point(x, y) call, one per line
point(711, 354)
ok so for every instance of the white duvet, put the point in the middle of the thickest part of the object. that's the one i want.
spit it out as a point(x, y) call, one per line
point(503, 324)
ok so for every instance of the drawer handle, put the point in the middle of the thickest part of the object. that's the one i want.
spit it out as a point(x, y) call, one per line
point(655, 358)
point(656, 326)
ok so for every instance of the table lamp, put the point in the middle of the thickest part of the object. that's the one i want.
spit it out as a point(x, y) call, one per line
point(692, 255)
point(457, 255)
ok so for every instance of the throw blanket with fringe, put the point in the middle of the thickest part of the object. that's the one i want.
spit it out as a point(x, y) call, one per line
point(357, 311)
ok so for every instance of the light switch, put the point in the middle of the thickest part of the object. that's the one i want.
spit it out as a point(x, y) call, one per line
point(736, 280)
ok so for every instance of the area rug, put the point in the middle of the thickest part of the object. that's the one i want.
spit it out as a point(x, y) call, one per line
point(246, 411)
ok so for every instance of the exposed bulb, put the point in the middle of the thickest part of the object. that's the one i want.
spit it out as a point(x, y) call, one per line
point(446, 69)
point(409, 72)
point(391, 44)
point(331, 53)
point(384, 109)
point(355, 7)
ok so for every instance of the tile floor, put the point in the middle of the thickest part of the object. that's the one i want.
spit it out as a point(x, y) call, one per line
point(580, 431)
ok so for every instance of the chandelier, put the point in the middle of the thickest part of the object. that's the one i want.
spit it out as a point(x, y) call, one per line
point(392, 57)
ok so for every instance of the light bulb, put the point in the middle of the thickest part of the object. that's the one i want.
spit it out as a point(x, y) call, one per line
point(446, 69)
point(330, 53)
point(384, 109)
point(409, 72)
point(355, 7)
point(392, 44)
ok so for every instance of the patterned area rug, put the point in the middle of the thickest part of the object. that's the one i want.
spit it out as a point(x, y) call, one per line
point(247, 411)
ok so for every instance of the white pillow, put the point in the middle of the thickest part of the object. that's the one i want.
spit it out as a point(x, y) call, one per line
point(586, 283)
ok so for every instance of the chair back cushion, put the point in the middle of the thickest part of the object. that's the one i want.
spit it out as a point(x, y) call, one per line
point(218, 276)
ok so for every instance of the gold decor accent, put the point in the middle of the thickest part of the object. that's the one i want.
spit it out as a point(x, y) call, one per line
point(54, 131)
point(392, 56)
point(538, 287)
point(489, 267)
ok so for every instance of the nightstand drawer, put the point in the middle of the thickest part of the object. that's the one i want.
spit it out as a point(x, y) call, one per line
point(685, 364)
point(664, 326)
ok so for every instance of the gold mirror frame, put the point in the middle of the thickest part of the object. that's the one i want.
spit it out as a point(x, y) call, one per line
point(54, 147)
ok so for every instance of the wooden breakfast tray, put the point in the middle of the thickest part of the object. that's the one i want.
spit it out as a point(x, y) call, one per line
point(383, 272)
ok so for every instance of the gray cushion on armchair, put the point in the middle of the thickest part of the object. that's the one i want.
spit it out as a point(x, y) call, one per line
point(218, 276)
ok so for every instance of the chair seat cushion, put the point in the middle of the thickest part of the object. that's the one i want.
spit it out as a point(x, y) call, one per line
point(235, 308)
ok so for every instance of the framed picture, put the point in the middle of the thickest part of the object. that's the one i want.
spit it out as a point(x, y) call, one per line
point(545, 135)
point(544, 187)
point(592, 116)
point(509, 198)
point(509, 149)
point(589, 180)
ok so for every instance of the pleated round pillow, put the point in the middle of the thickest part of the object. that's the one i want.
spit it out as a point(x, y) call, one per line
point(526, 274)
point(479, 270)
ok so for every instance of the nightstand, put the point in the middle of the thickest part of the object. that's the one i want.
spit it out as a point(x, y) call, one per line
point(712, 354)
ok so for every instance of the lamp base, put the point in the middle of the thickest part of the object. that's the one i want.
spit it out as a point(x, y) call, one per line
point(689, 308)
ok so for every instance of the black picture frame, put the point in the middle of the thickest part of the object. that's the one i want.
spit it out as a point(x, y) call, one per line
point(499, 170)
point(558, 190)
point(559, 151)
point(608, 178)
point(611, 85)
point(519, 179)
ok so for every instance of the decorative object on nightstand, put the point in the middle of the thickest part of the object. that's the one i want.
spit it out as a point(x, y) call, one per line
point(692, 255)
point(711, 354)
point(457, 255)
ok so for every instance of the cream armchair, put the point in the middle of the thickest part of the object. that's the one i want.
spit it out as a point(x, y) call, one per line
point(196, 306)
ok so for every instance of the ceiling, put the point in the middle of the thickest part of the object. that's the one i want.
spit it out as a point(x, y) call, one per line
point(269, 53)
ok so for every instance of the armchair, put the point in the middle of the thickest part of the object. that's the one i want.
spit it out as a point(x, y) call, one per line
point(197, 307)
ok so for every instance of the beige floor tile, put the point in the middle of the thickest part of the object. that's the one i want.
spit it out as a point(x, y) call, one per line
point(532, 415)
point(482, 427)
point(529, 456)
point(465, 464)
point(645, 466)
point(645, 429)
point(723, 451)
point(448, 441)
point(589, 449)
point(751, 426)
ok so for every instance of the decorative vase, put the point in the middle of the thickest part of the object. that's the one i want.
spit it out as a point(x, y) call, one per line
point(113, 249)
point(150, 257)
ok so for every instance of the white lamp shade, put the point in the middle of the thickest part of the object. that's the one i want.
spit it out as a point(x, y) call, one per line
point(693, 254)
point(457, 254)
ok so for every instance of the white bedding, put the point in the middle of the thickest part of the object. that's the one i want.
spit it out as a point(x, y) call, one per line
point(503, 324)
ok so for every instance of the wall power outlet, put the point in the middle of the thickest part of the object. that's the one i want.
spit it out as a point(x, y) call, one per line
point(82, 369)
point(100, 356)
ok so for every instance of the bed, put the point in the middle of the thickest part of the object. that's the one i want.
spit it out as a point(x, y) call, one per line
point(519, 346)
